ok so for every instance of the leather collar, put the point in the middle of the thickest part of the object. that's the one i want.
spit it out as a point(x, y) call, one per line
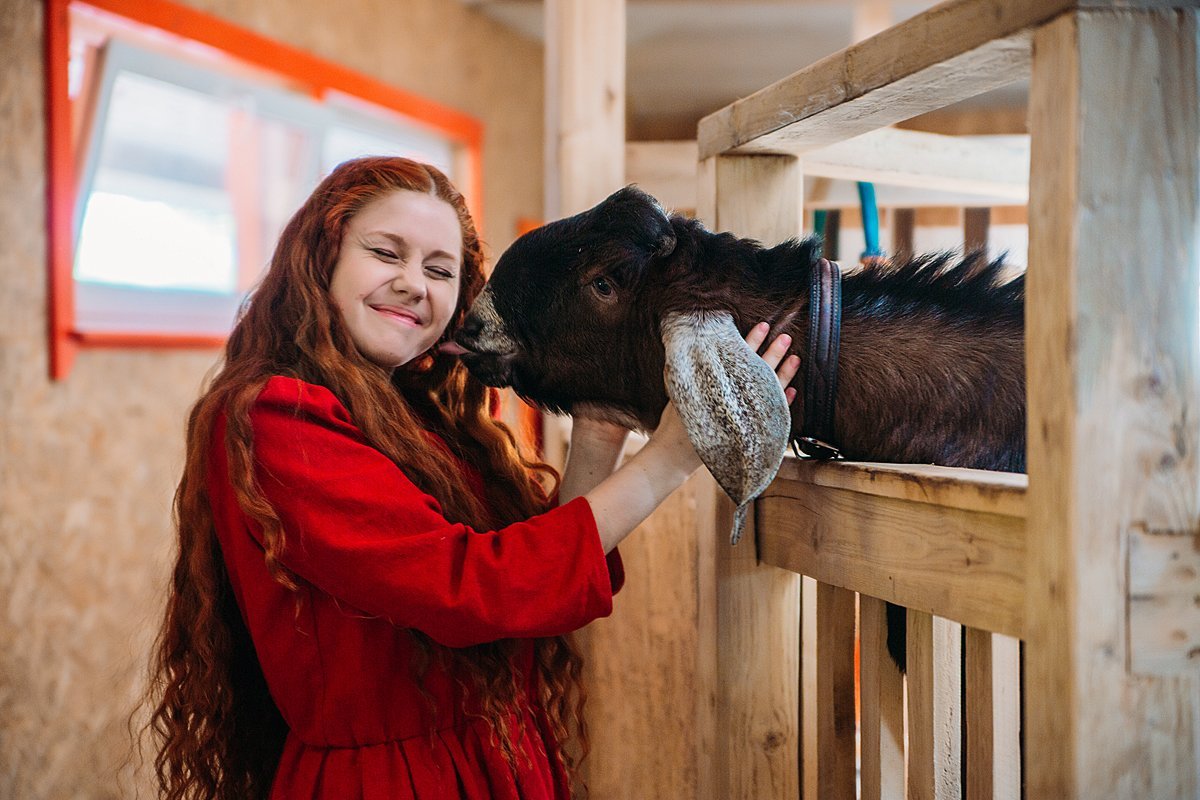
point(820, 372)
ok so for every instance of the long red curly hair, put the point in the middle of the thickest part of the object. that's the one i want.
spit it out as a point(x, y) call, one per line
point(217, 731)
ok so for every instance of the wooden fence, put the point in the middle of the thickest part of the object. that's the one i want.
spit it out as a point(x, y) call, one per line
point(1095, 561)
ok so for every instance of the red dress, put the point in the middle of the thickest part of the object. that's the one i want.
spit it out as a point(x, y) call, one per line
point(377, 557)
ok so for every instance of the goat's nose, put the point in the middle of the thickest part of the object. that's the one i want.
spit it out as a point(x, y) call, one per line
point(470, 332)
point(471, 328)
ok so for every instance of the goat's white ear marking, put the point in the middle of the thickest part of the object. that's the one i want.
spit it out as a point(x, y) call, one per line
point(731, 404)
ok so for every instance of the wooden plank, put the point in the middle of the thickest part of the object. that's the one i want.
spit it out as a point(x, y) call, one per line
point(934, 708)
point(995, 167)
point(976, 223)
point(902, 232)
point(758, 672)
point(882, 707)
point(809, 691)
point(951, 487)
point(964, 565)
point(992, 716)
point(1114, 373)
point(666, 170)
point(954, 51)
point(835, 693)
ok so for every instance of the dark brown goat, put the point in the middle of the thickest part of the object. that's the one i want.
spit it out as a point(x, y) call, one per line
point(931, 367)
point(578, 317)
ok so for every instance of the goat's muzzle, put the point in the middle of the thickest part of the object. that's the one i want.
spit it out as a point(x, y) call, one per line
point(490, 349)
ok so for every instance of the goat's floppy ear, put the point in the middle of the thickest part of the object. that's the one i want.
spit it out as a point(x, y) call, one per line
point(731, 404)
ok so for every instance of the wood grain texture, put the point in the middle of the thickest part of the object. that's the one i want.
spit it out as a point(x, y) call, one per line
point(758, 607)
point(585, 103)
point(1112, 354)
point(666, 170)
point(881, 689)
point(951, 52)
point(934, 708)
point(992, 716)
point(961, 564)
point(835, 693)
point(995, 168)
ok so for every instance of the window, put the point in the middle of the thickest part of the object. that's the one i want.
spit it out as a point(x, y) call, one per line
point(176, 160)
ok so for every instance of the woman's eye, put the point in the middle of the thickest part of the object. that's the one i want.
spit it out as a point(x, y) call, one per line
point(441, 272)
point(603, 287)
point(382, 253)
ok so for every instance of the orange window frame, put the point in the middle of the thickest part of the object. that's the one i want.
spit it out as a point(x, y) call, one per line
point(314, 75)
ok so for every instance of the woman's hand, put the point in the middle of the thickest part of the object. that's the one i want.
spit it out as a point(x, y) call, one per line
point(785, 368)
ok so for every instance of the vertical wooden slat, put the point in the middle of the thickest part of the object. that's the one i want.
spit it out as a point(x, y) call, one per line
point(903, 222)
point(882, 711)
point(934, 708)
point(758, 607)
point(976, 225)
point(809, 721)
point(1113, 379)
point(992, 716)
point(835, 693)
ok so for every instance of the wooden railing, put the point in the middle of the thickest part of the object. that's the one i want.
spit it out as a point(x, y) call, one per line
point(1094, 563)
point(949, 546)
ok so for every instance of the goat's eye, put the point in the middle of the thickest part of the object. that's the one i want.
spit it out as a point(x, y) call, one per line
point(603, 287)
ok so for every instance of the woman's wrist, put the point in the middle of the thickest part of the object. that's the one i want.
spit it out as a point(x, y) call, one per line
point(594, 431)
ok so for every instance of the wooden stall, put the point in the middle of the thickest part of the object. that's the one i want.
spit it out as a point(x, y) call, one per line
point(1093, 562)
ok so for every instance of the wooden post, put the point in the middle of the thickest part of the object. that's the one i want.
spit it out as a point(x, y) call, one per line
point(585, 103)
point(585, 123)
point(755, 640)
point(1113, 698)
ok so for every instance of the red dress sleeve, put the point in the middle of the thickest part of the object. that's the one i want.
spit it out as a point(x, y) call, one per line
point(358, 529)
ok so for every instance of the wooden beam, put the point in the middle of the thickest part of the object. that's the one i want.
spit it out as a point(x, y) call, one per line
point(758, 607)
point(995, 167)
point(957, 50)
point(946, 546)
point(1113, 707)
point(666, 170)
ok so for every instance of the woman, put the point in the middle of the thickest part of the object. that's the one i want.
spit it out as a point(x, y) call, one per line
point(373, 592)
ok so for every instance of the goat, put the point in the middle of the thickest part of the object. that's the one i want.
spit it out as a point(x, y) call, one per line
point(586, 315)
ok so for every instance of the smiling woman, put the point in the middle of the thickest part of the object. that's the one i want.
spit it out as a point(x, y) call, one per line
point(396, 281)
point(374, 592)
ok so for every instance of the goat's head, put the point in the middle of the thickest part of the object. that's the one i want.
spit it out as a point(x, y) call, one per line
point(591, 315)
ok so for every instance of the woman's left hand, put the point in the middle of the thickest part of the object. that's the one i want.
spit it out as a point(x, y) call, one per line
point(785, 368)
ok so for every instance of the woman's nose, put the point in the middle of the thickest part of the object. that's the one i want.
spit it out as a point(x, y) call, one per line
point(409, 284)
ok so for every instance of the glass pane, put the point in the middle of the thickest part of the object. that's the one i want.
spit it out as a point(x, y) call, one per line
point(158, 214)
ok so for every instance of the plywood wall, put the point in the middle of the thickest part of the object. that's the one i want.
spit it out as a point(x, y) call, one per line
point(88, 465)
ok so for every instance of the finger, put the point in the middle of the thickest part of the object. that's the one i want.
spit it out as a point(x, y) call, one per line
point(788, 369)
point(757, 335)
point(778, 349)
point(790, 394)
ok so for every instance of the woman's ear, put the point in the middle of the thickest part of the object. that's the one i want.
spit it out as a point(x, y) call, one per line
point(731, 404)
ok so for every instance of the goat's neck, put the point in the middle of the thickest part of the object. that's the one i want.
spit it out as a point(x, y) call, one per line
point(922, 390)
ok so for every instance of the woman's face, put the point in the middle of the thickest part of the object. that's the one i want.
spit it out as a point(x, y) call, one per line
point(397, 275)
